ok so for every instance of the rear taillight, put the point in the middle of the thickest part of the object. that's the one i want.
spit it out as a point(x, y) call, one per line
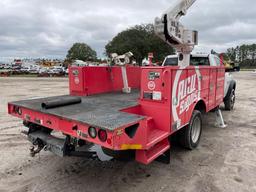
point(102, 134)
point(109, 141)
point(17, 110)
point(92, 132)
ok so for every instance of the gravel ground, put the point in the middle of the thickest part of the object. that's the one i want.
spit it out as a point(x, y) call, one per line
point(224, 161)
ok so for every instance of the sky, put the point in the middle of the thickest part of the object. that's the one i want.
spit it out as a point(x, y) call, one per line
point(48, 28)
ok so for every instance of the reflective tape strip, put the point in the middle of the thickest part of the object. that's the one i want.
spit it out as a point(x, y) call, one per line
point(130, 146)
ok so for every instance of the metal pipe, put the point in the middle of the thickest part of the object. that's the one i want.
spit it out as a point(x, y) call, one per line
point(61, 102)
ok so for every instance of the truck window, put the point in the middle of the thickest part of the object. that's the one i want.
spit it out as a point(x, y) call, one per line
point(217, 61)
point(194, 61)
point(199, 61)
point(171, 62)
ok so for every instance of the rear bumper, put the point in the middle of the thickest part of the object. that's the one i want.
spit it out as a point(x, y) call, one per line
point(117, 139)
point(59, 146)
point(66, 126)
point(122, 119)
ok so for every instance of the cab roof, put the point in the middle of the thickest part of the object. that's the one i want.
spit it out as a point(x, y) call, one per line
point(193, 55)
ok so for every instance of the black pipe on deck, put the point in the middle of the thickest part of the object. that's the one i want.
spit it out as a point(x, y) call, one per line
point(61, 102)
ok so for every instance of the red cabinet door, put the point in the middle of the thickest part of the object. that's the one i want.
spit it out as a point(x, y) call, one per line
point(76, 80)
point(212, 87)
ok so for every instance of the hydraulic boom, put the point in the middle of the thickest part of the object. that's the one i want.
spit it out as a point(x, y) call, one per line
point(169, 29)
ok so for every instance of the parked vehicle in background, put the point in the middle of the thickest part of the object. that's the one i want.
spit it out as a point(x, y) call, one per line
point(24, 69)
point(16, 67)
point(33, 71)
point(17, 62)
point(231, 66)
point(44, 70)
point(57, 70)
point(80, 63)
point(7, 66)
point(2, 65)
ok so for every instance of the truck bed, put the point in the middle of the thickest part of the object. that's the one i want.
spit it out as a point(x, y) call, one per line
point(101, 111)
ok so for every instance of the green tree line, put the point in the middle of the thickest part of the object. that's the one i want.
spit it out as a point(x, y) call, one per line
point(141, 40)
point(245, 55)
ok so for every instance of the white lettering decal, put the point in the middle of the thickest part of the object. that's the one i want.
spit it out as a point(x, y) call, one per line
point(187, 93)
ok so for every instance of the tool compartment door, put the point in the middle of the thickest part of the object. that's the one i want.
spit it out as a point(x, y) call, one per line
point(220, 85)
point(76, 80)
point(216, 84)
point(212, 87)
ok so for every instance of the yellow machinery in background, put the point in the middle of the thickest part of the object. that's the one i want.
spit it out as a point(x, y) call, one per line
point(228, 63)
point(49, 63)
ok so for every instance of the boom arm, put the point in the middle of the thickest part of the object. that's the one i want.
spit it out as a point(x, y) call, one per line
point(169, 29)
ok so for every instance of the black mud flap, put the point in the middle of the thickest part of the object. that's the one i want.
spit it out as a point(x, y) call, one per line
point(165, 158)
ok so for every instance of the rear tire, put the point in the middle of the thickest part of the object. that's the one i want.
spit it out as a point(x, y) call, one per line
point(230, 101)
point(190, 135)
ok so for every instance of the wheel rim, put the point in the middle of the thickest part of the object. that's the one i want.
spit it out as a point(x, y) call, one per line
point(196, 130)
point(233, 99)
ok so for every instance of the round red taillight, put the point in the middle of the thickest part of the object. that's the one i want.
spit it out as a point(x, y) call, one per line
point(102, 134)
point(109, 141)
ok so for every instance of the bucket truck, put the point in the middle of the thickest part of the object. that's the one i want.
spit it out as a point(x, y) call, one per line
point(169, 29)
point(134, 113)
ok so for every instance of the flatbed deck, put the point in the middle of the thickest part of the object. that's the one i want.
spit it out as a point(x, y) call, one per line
point(101, 111)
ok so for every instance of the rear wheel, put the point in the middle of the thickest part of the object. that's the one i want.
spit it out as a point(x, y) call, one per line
point(230, 101)
point(190, 135)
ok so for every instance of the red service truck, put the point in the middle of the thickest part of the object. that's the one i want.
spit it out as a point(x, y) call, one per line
point(131, 109)
point(163, 100)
